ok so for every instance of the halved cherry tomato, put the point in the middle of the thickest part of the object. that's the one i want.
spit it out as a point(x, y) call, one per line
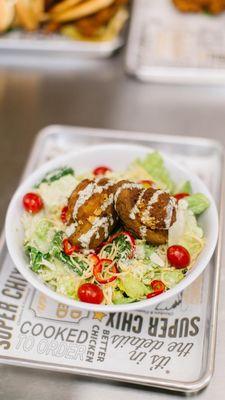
point(158, 288)
point(101, 170)
point(129, 236)
point(178, 256)
point(146, 183)
point(32, 203)
point(97, 271)
point(90, 293)
point(68, 248)
point(180, 196)
point(64, 214)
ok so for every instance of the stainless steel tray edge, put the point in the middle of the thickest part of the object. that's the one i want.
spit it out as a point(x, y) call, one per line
point(219, 258)
point(130, 68)
point(56, 48)
point(122, 134)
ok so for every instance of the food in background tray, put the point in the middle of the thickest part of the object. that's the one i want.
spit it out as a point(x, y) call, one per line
point(210, 6)
point(113, 237)
point(96, 20)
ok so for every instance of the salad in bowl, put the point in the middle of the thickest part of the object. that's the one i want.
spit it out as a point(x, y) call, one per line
point(117, 235)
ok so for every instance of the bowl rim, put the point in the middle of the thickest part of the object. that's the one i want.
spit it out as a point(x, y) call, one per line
point(38, 284)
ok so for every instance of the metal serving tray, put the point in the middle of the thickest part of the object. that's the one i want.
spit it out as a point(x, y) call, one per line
point(165, 45)
point(171, 346)
point(18, 45)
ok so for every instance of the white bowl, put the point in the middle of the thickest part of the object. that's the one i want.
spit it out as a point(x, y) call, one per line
point(118, 157)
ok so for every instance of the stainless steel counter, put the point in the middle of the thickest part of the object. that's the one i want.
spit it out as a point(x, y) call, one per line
point(97, 94)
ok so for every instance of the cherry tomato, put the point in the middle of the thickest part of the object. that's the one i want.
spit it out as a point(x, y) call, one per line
point(178, 256)
point(68, 248)
point(64, 214)
point(158, 286)
point(180, 196)
point(32, 203)
point(146, 183)
point(90, 293)
point(98, 269)
point(101, 170)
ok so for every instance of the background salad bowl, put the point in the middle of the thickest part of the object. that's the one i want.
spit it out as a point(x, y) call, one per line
point(117, 157)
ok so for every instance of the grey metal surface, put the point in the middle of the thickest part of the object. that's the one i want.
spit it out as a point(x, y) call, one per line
point(97, 94)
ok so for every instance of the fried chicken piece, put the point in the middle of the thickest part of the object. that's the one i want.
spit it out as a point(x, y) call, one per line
point(91, 215)
point(211, 6)
point(148, 213)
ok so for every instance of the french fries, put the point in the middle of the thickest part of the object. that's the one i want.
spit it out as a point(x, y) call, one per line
point(64, 6)
point(81, 10)
point(29, 13)
point(84, 19)
point(7, 14)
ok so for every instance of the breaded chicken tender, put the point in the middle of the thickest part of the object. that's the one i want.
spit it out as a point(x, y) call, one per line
point(148, 213)
point(91, 215)
point(211, 6)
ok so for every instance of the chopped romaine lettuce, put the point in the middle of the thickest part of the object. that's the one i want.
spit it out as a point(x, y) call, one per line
point(149, 276)
point(193, 244)
point(39, 232)
point(73, 262)
point(43, 228)
point(43, 235)
point(55, 175)
point(36, 257)
point(56, 245)
point(185, 231)
point(55, 194)
point(66, 286)
point(184, 187)
point(139, 249)
point(149, 250)
point(172, 278)
point(119, 298)
point(157, 260)
point(133, 287)
point(119, 248)
point(123, 247)
point(154, 165)
point(197, 203)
